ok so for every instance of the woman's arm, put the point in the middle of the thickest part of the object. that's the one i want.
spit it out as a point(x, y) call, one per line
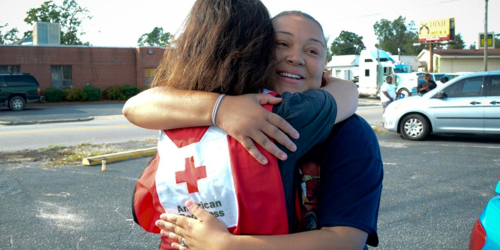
point(209, 232)
point(345, 94)
point(242, 117)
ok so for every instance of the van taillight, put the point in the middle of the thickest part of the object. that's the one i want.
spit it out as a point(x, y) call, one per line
point(477, 237)
point(39, 92)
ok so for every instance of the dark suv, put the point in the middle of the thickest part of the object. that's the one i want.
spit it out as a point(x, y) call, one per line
point(18, 89)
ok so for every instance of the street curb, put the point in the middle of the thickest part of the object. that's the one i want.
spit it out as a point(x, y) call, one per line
point(8, 123)
point(121, 156)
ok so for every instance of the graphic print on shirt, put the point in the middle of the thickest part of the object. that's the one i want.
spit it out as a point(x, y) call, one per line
point(310, 173)
point(200, 171)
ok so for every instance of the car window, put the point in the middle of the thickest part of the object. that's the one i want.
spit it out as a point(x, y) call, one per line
point(437, 77)
point(3, 83)
point(469, 87)
point(495, 85)
point(20, 81)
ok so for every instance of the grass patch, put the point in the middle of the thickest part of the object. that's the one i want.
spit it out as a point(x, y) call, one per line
point(59, 155)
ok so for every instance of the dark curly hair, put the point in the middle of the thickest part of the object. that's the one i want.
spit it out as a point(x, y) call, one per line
point(227, 46)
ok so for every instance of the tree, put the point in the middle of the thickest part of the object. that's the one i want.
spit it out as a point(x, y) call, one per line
point(329, 53)
point(459, 43)
point(70, 16)
point(472, 46)
point(10, 36)
point(155, 38)
point(397, 34)
point(347, 43)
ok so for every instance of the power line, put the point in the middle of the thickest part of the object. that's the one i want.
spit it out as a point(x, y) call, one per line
point(411, 8)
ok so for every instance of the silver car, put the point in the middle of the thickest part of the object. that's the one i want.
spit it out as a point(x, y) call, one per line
point(467, 104)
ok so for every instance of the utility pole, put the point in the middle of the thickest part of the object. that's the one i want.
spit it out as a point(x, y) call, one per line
point(431, 50)
point(486, 36)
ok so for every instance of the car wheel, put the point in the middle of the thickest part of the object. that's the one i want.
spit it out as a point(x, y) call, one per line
point(17, 103)
point(404, 92)
point(414, 127)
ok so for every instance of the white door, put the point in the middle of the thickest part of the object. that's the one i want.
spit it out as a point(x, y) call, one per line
point(492, 105)
point(462, 111)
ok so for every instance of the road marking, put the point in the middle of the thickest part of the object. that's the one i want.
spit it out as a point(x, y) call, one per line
point(64, 130)
point(369, 111)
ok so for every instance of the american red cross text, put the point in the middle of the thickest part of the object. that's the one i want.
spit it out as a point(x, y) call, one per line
point(191, 175)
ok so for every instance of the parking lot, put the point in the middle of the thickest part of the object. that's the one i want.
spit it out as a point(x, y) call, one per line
point(433, 192)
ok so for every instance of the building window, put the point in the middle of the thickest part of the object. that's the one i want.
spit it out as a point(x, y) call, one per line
point(10, 68)
point(149, 75)
point(62, 76)
point(337, 73)
point(367, 72)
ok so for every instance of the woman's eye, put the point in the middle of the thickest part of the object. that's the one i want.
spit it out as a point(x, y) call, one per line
point(313, 52)
point(281, 44)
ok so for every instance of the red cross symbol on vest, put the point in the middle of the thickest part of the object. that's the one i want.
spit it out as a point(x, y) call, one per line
point(191, 175)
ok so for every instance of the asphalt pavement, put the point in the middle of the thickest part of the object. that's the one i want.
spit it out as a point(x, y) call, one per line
point(433, 192)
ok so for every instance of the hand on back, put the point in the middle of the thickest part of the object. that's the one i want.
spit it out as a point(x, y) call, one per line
point(244, 118)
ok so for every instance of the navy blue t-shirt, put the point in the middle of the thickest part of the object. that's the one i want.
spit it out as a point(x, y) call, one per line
point(350, 181)
point(312, 113)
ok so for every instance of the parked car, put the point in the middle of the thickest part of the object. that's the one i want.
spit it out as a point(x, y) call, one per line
point(18, 89)
point(467, 104)
point(485, 234)
point(456, 74)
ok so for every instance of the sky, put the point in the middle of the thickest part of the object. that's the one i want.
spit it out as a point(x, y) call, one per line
point(120, 23)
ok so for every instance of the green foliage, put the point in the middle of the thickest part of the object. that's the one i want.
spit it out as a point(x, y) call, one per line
point(347, 43)
point(93, 93)
point(397, 34)
point(114, 93)
point(459, 43)
point(70, 15)
point(129, 91)
point(75, 95)
point(144, 88)
point(10, 36)
point(53, 94)
point(154, 38)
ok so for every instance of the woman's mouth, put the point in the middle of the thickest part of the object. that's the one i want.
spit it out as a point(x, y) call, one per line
point(290, 75)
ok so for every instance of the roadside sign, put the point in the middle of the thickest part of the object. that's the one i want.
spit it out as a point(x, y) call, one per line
point(490, 41)
point(436, 30)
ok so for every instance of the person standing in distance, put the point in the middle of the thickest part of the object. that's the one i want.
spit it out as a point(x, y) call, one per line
point(388, 92)
point(427, 85)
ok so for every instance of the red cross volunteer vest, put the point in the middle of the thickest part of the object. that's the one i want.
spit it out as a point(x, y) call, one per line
point(214, 170)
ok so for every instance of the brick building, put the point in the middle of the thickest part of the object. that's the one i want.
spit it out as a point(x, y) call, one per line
point(76, 66)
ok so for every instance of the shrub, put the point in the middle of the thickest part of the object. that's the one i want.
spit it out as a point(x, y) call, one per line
point(142, 89)
point(93, 93)
point(114, 93)
point(75, 95)
point(129, 91)
point(53, 94)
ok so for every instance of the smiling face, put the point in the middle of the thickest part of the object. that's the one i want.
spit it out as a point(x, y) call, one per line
point(301, 54)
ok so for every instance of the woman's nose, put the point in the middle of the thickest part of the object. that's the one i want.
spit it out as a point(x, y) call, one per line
point(296, 59)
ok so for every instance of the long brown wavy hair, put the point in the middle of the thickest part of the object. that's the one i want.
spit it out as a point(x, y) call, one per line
point(227, 47)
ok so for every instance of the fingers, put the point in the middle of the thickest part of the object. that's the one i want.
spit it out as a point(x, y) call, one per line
point(168, 227)
point(198, 212)
point(268, 99)
point(268, 145)
point(284, 126)
point(249, 145)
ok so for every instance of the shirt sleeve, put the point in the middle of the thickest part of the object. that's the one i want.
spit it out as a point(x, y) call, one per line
point(312, 113)
point(351, 178)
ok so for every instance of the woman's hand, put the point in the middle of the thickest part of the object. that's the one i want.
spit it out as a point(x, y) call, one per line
point(244, 118)
point(207, 232)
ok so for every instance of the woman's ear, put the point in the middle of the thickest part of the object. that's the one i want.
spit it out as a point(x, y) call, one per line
point(324, 80)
